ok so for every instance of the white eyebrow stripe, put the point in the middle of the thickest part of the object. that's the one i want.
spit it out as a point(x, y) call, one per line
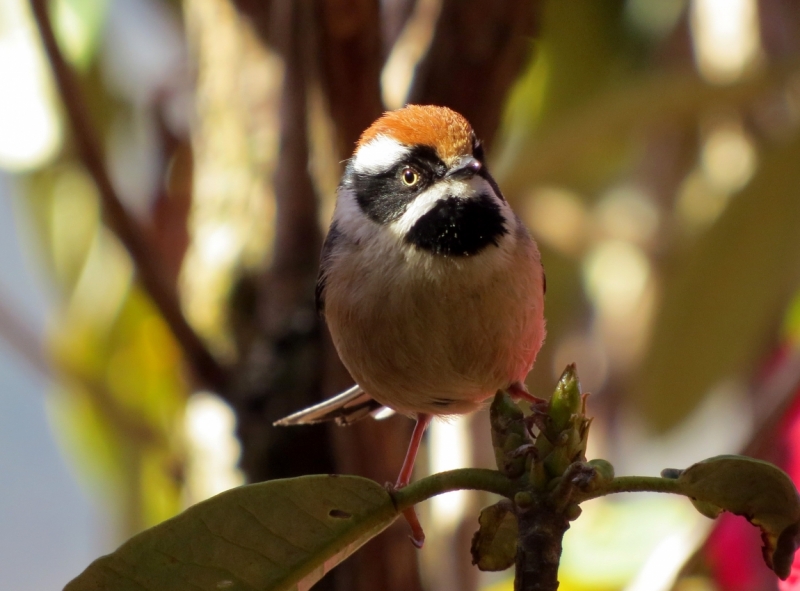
point(379, 155)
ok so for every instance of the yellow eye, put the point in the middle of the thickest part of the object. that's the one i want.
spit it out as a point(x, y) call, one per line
point(410, 176)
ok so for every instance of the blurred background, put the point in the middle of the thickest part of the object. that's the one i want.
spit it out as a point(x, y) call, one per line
point(167, 173)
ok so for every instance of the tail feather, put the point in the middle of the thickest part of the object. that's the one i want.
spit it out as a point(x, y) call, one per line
point(346, 408)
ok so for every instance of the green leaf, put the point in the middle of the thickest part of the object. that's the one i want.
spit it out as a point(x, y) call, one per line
point(494, 545)
point(757, 490)
point(277, 535)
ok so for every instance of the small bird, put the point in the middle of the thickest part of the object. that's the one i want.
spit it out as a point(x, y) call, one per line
point(432, 288)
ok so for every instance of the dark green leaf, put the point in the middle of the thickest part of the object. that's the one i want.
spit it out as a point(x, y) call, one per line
point(757, 490)
point(278, 535)
point(494, 545)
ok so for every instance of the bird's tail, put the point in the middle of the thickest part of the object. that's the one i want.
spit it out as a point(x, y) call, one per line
point(346, 408)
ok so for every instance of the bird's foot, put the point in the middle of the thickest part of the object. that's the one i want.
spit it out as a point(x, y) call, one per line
point(518, 391)
point(417, 536)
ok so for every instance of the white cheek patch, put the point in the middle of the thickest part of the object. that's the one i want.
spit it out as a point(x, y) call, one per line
point(461, 189)
point(379, 155)
point(421, 205)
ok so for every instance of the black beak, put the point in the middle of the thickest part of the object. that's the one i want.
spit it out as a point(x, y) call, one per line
point(467, 167)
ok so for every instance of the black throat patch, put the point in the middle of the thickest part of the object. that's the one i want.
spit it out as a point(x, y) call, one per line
point(459, 227)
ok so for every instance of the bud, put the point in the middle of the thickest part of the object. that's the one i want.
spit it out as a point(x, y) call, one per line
point(566, 400)
point(603, 468)
point(508, 434)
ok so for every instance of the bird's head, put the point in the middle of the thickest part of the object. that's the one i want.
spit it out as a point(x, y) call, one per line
point(419, 174)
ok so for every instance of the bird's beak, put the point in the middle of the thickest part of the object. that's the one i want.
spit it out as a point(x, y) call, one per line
point(466, 167)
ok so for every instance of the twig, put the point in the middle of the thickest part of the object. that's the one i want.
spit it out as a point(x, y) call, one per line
point(460, 479)
point(205, 367)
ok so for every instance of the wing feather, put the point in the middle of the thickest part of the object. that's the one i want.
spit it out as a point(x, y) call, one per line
point(346, 408)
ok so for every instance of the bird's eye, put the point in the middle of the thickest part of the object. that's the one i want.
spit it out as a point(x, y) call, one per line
point(410, 176)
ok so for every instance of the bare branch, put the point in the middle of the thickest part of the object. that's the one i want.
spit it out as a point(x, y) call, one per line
point(205, 367)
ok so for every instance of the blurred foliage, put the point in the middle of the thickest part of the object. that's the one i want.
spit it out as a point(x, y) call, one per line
point(120, 406)
point(726, 293)
point(671, 248)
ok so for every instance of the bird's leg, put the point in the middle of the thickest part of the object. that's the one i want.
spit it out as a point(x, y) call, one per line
point(417, 534)
point(413, 447)
point(518, 391)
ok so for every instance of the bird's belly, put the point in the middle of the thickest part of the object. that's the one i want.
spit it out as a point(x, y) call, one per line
point(441, 342)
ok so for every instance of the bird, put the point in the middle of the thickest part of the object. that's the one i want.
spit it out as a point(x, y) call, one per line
point(431, 286)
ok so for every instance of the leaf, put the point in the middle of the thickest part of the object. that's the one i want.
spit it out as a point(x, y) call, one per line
point(757, 490)
point(494, 545)
point(270, 536)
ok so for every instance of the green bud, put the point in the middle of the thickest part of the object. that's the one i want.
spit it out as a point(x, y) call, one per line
point(523, 500)
point(538, 476)
point(508, 434)
point(572, 511)
point(603, 468)
point(566, 400)
point(557, 461)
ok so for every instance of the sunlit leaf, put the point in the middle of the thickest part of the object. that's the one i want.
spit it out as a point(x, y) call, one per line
point(283, 534)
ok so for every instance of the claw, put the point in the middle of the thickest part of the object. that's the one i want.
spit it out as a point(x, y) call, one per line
point(417, 536)
point(518, 391)
point(527, 448)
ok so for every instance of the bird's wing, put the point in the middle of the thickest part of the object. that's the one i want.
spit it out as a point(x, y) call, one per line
point(346, 408)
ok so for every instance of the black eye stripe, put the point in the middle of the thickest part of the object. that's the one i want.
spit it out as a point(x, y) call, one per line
point(425, 160)
point(383, 196)
point(477, 150)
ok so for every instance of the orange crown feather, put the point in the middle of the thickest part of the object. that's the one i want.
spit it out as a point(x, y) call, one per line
point(438, 127)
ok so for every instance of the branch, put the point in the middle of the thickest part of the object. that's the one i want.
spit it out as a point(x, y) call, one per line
point(154, 279)
point(462, 479)
point(622, 484)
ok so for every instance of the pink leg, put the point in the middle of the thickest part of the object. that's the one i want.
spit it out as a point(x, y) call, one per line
point(417, 534)
point(518, 391)
point(413, 447)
